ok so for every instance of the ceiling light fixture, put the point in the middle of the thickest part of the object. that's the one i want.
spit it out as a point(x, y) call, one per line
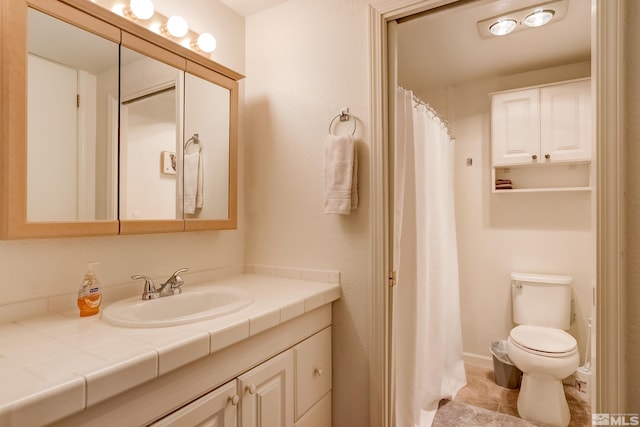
point(530, 17)
point(538, 18)
point(503, 27)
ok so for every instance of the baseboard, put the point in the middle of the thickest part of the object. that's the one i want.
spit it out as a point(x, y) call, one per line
point(478, 360)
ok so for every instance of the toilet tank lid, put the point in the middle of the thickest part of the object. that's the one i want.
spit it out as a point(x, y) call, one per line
point(553, 279)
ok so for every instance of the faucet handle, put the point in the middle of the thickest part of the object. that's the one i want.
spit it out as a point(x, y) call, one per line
point(177, 280)
point(149, 291)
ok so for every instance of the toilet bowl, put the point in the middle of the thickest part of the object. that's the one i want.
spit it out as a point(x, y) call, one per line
point(545, 356)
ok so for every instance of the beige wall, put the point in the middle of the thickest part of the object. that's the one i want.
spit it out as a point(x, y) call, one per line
point(632, 182)
point(305, 60)
point(42, 268)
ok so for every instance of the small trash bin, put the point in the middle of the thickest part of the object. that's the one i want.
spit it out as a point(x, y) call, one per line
point(506, 374)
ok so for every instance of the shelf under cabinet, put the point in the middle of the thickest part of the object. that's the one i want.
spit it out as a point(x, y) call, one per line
point(562, 177)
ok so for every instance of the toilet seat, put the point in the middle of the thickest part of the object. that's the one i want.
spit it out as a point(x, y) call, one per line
point(543, 341)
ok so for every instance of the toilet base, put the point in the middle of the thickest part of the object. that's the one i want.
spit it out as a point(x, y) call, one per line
point(542, 400)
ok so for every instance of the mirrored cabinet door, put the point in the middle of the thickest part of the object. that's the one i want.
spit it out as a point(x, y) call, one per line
point(210, 150)
point(72, 122)
point(59, 112)
point(151, 129)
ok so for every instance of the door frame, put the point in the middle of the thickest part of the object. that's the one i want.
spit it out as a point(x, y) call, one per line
point(606, 65)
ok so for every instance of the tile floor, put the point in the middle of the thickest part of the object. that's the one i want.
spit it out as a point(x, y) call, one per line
point(482, 391)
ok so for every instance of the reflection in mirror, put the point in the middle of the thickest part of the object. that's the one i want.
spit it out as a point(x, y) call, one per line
point(72, 88)
point(150, 126)
point(206, 156)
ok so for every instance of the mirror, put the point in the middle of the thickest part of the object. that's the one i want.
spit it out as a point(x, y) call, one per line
point(72, 122)
point(206, 149)
point(150, 136)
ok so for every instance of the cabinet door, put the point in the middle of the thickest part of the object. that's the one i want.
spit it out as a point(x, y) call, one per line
point(566, 121)
point(267, 393)
point(515, 127)
point(313, 370)
point(215, 409)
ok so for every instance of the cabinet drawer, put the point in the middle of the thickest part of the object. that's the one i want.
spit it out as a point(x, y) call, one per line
point(319, 415)
point(313, 370)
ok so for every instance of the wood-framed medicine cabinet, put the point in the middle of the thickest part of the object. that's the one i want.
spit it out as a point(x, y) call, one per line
point(98, 168)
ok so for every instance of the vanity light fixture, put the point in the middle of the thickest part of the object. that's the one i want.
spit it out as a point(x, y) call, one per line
point(538, 18)
point(177, 26)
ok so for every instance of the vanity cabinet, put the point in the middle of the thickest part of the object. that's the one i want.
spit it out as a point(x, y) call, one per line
point(541, 137)
point(293, 385)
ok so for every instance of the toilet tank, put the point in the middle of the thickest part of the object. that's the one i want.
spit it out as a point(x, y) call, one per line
point(541, 300)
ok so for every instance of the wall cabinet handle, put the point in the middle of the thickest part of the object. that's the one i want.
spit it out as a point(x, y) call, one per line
point(251, 388)
point(318, 371)
point(547, 156)
point(234, 399)
point(534, 156)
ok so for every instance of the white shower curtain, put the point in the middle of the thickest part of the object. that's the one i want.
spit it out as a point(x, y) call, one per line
point(427, 336)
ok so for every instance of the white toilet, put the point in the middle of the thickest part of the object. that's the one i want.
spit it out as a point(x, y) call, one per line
point(540, 347)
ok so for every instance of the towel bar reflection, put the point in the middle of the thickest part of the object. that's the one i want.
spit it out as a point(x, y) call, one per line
point(344, 116)
point(196, 141)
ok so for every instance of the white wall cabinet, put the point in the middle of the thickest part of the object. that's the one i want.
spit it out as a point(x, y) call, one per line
point(295, 384)
point(546, 126)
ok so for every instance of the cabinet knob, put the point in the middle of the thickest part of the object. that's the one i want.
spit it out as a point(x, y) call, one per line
point(534, 156)
point(234, 399)
point(318, 371)
point(251, 388)
point(547, 156)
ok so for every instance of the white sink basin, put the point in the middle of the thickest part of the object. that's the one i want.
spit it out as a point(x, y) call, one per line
point(192, 305)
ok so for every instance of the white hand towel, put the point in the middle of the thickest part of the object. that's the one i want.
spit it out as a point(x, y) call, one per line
point(340, 175)
point(193, 183)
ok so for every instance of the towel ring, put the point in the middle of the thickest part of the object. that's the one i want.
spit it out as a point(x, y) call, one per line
point(344, 117)
point(196, 141)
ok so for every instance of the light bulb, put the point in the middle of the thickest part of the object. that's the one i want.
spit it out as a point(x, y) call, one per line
point(142, 9)
point(538, 18)
point(177, 26)
point(503, 27)
point(207, 43)
point(118, 9)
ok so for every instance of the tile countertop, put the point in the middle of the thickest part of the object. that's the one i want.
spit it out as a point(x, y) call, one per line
point(57, 364)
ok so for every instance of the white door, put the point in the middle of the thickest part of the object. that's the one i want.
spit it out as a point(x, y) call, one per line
point(565, 114)
point(215, 409)
point(266, 393)
point(515, 127)
point(52, 141)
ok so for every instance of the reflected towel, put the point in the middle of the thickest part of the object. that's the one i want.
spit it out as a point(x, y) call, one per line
point(340, 175)
point(193, 177)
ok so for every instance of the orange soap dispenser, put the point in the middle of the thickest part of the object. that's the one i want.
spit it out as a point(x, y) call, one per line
point(89, 295)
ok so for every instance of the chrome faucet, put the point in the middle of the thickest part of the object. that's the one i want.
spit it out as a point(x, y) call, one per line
point(173, 285)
